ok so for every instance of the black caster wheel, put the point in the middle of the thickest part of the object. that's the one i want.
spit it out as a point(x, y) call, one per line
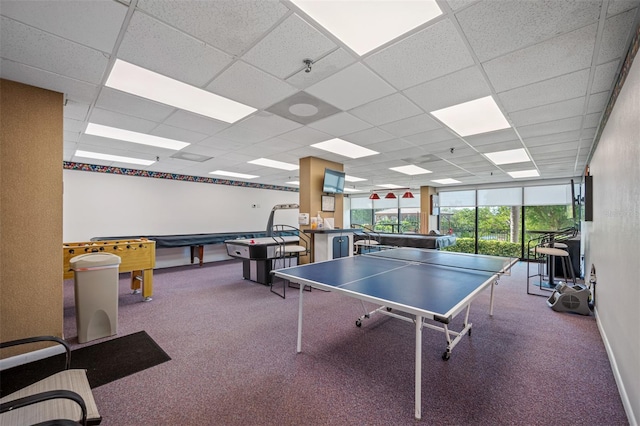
point(358, 323)
point(388, 309)
point(446, 356)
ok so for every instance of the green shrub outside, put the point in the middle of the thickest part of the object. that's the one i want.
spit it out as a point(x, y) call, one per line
point(490, 247)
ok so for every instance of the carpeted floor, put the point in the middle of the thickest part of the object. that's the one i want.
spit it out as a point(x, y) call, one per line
point(233, 360)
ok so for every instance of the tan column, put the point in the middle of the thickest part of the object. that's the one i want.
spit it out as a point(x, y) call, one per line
point(311, 178)
point(428, 222)
point(31, 212)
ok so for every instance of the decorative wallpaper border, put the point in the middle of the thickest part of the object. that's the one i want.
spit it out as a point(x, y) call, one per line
point(68, 165)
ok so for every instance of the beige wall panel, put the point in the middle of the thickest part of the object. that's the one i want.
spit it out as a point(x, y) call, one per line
point(31, 142)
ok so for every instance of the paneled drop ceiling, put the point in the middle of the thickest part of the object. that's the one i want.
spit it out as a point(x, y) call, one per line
point(549, 66)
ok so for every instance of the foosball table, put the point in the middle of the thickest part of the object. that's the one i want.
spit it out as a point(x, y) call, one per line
point(138, 256)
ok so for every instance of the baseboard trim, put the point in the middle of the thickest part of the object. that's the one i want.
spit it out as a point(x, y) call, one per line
point(626, 403)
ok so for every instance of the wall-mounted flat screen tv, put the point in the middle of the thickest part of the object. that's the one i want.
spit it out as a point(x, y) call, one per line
point(333, 182)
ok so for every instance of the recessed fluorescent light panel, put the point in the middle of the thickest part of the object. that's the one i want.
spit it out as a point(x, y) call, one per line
point(508, 157)
point(344, 148)
point(390, 186)
point(294, 182)
point(275, 164)
point(524, 174)
point(410, 170)
point(134, 137)
point(364, 25)
point(447, 181)
point(232, 174)
point(116, 158)
point(150, 85)
point(471, 118)
point(353, 179)
point(347, 189)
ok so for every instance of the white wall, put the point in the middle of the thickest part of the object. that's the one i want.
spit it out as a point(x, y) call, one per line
point(613, 240)
point(105, 205)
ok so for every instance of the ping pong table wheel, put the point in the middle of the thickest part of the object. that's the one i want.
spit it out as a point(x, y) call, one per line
point(446, 355)
point(358, 323)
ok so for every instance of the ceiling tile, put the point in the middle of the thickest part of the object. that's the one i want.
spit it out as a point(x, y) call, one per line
point(246, 84)
point(282, 52)
point(553, 138)
point(430, 137)
point(321, 68)
point(305, 136)
point(223, 144)
point(431, 53)
point(618, 6)
point(236, 26)
point(195, 122)
point(550, 127)
point(614, 37)
point(110, 118)
point(588, 133)
point(72, 88)
point(115, 100)
point(549, 112)
point(499, 146)
point(178, 134)
point(351, 87)
point(242, 134)
point(597, 102)
point(557, 89)
point(73, 126)
point(494, 28)
point(561, 55)
point(368, 136)
point(94, 24)
point(452, 89)
point(386, 110)
point(394, 149)
point(340, 124)
point(411, 126)
point(543, 151)
point(117, 147)
point(592, 120)
point(76, 110)
point(492, 137)
point(270, 125)
point(604, 77)
point(158, 47)
point(36, 48)
point(457, 4)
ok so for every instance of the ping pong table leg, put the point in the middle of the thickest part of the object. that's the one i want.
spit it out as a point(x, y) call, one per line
point(493, 284)
point(418, 379)
point(299, 345)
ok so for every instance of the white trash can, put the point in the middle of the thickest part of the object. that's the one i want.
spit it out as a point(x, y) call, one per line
point(96, 294)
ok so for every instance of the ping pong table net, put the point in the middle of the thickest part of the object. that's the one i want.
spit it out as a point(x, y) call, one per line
point(475, 262)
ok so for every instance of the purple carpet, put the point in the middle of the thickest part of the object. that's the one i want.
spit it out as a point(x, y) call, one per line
point(233, 360)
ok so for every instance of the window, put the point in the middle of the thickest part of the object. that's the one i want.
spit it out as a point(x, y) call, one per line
point(387, 215)
point(361, 212)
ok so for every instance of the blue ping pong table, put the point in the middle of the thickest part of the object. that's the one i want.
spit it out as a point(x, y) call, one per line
point(428, 285)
